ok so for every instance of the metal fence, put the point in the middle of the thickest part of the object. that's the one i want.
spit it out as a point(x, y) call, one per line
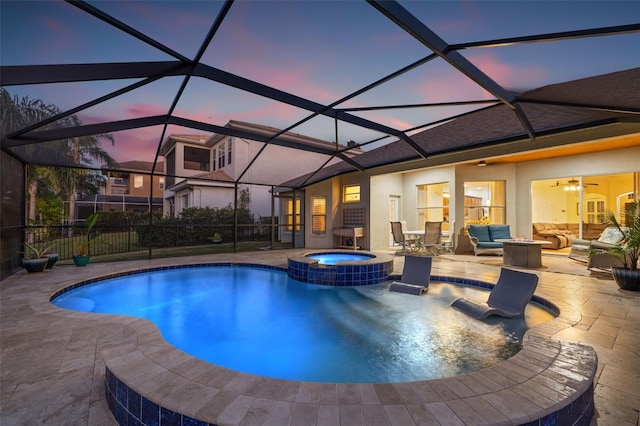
point(112, 239)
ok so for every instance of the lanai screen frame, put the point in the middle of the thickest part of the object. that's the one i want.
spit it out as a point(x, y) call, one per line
point(186, 68)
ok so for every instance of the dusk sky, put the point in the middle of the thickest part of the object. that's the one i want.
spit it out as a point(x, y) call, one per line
point(319, 50)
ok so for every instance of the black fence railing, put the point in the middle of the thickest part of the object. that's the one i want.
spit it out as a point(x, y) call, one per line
point(114, 239)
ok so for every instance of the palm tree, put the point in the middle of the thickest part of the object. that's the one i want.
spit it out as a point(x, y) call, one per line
point(81, 151)
point(17, 113)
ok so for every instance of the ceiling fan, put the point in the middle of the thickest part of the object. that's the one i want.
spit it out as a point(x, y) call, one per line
point(572, 184)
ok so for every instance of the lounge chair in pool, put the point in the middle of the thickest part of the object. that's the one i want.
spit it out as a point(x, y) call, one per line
point(508, 298)
point(416, 274)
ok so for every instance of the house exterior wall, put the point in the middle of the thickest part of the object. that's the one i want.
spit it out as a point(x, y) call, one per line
point(263, 173)
point(383, 188)
point(326, 188)
point(143, 191)
point(517, 176)
point(200, 196)
point(130, 189)
point(332, 190)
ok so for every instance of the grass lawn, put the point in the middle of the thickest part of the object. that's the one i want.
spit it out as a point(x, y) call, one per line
point(158, 253)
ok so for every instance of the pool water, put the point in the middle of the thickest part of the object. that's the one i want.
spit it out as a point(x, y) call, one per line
point(260, 321)
point(334, 258)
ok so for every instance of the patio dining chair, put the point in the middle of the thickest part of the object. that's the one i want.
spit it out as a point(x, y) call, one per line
point(401, 239)
point(432, 240)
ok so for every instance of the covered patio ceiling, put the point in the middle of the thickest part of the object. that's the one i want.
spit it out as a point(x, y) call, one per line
point(356, 74)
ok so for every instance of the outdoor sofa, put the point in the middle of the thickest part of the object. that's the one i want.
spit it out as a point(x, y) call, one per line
point(483, 238)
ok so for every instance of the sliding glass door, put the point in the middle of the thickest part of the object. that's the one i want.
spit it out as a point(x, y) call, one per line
point(580, 202)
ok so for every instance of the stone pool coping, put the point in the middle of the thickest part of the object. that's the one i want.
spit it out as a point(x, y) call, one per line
point(548, 381)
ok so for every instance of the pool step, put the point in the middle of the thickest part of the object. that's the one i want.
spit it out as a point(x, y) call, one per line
point(408, 288)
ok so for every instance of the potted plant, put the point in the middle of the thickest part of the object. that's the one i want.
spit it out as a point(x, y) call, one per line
point(52, 259)
point(627, 250)
point(81, 254)
point(35, 259)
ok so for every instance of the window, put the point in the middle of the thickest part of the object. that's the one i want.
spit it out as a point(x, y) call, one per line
point(579, 203)
point(319, 215)
point(484, 202)
point(292, 215)
point(229, 151)
point(351, 194)
point(595, 210)
point(221, 156)
point(138, 181)
point(215, 165)
point(433, 204)
point(161, 182)
point(171, 167)
point(196, 158)
point(185, 201)
point(172, 207)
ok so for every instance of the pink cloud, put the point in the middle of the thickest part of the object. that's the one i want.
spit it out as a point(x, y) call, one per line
point(454, 86)
point(138, 144)
point(289, 77)
point(507, 75)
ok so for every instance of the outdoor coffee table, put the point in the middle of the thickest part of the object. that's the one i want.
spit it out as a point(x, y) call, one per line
point(526, 253)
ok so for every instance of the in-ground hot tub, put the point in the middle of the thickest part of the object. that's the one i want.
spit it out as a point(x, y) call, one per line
point(340, 268)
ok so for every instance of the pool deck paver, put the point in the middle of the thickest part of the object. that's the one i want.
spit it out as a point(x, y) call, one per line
point(52, 368)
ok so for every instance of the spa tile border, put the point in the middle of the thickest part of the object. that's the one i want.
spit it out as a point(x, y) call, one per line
point(374, 270)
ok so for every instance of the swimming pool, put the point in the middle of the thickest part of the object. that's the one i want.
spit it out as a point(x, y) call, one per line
point(260, 321)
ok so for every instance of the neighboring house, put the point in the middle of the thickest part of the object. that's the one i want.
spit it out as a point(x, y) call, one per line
point(521, 181)
point(203, 171)
point(127, 189)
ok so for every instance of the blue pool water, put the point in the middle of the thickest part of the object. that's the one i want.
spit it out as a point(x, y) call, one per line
point(334, 258)
point(260, 321)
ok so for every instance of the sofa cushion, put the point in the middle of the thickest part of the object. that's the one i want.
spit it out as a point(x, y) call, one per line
point(489, 244)
point(499, 231)
point(539, 227)
point(481, 232)
point(610, 235)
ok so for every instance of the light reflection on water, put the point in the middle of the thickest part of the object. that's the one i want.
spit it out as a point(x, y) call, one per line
point(260, 321)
